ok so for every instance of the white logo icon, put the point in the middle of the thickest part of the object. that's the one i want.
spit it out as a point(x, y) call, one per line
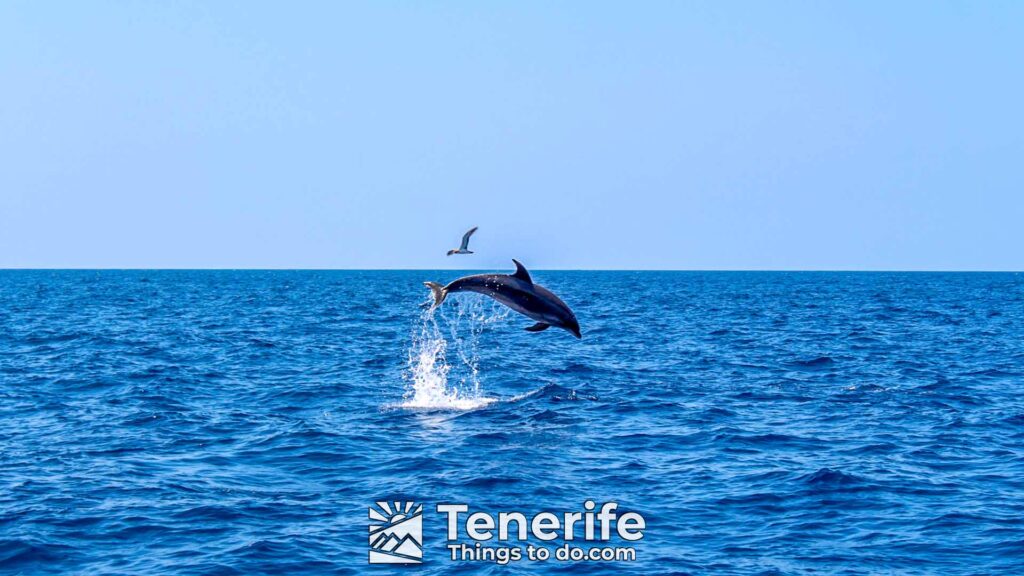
point(396, 533)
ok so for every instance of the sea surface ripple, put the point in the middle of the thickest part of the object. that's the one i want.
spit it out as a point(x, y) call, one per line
point(237, 422)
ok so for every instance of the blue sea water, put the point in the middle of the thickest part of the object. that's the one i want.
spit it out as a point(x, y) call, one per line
point(238, 422)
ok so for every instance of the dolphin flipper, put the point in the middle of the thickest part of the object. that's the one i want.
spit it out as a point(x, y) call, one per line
point(538, 327)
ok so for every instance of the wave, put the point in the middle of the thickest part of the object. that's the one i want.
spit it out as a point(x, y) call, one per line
point(814, 363)
point(830, 477)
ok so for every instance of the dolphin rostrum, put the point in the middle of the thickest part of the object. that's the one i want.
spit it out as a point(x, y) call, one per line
point(518, 292)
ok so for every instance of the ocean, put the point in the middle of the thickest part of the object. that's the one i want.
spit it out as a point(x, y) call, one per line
point(241, 422)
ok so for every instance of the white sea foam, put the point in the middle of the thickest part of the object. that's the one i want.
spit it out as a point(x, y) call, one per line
point(451, 330)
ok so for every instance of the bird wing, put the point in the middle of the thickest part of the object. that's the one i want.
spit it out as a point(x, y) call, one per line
point(465, 238)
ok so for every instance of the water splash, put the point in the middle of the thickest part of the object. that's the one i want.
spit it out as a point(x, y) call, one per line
point(453, 329)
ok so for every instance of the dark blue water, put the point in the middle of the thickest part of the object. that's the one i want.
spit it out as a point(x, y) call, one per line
point(242, 422)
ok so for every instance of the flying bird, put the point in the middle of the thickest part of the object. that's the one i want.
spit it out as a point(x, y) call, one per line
point(464, 248)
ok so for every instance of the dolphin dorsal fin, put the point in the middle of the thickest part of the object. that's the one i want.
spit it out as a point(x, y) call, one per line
point(521, 272)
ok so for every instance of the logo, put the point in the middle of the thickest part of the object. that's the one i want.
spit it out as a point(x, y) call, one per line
point(396, 533)
point(585, 535)
point(596, 533)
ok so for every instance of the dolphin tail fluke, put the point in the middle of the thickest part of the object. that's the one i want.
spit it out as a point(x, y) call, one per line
point(438, 291)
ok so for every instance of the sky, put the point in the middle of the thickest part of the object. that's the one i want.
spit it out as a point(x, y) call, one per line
point(577, 135)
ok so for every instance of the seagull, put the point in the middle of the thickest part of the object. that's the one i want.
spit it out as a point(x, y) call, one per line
point(464, 248)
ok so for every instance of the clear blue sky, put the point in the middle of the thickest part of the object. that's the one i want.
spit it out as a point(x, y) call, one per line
point(714, 135)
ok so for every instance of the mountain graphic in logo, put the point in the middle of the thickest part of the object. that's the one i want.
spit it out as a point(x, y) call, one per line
point(396, 533)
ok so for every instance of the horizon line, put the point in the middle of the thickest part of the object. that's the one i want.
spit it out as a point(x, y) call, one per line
point(285, 269)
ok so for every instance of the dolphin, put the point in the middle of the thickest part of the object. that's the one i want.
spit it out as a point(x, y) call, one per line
point(518, 292)
point(464, 247)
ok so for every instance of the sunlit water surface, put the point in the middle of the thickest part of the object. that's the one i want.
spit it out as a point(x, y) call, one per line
point(242, 422)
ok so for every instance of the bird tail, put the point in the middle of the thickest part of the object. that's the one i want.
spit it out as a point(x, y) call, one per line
point(438, 291)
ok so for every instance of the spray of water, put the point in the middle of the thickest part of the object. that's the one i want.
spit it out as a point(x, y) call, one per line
point(452, 330)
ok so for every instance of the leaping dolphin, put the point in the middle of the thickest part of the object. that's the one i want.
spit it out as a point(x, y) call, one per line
point(518, 292)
